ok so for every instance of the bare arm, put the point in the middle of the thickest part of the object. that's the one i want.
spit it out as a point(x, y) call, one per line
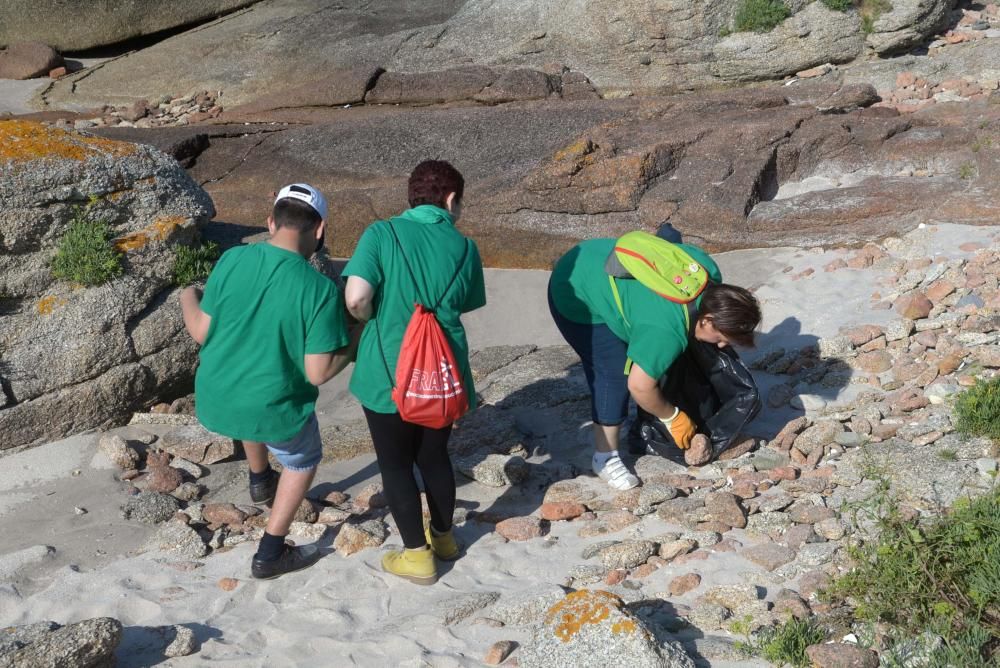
point(196, 321)
point(358, 295)
point(646, 393)
point(323, 366)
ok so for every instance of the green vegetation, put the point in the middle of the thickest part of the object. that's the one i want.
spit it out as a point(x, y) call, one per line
point(839, 5)
point(928, 579)
point(85, 254)
point(981, 143)
point(760, 15)
point(781, 645)
point(194, 264)
point(966, 170)
point(947, 454)
point(870, 11)
point(978, 409)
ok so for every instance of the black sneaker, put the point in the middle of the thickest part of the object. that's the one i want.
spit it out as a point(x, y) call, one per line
point(294, 558)
point(263, 492)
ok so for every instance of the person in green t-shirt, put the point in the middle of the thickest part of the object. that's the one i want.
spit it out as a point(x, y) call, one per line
point(647, 329)
point(416, 257)
point(272, 329)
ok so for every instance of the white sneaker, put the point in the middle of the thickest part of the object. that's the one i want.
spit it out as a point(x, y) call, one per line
point(615, 474)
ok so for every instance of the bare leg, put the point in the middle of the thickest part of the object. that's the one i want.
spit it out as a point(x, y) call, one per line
point(605, 437)
point(256, 456)
point(292, 488)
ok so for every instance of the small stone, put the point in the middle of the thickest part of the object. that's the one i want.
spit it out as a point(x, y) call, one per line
point(913, 306)
point(499, 651)
point(336, 498)
point(561, 510)
point(223, 513)
point(817, 436)
point(332, 516)
point(307, 530)
point(150, 508)
point(769, 555)
point(494, 470)
point(898, 329)
point(118, 451)
point(682, 584)
point(830, 528)
point(674, 549)
point(627, 554)
point(725, 508)
point(521, 528)
point(370, 497)
point(190, 468)
point(306, 512)
point(183, 644)
point(876, 361)
point(353, 538)
point(841, 655)
point(228, 584)
point(196, 444)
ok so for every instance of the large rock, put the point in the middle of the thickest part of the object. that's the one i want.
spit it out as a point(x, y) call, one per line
point(107, 350)
point(907, 24)
point(81, 24)
point(87, 644)
point(594, 628)
point(27, 60)
point(813, 36)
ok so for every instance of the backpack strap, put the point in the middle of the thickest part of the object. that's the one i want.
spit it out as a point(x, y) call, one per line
point(458, 270)
point(690, 316)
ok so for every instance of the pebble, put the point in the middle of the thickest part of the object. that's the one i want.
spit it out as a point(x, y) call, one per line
point(228, 584)
point(499, 651)
point(183, 644)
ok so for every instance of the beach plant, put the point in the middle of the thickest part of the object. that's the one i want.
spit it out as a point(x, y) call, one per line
point(870, 11)
point(193, 264)
point(978, 409)
point(760, 15)
point(85, 254)
point(839, 5)
point(935, 578)
point(947, 454)
point(966, 170)
point(784, 644)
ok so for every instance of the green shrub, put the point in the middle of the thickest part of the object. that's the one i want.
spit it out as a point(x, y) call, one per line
point(870, 11)
point(783, 644)
point(85, 254)
point(194, 264)
point(760, 15)
point(839, 5)
point(978, 409)
point(939, 577)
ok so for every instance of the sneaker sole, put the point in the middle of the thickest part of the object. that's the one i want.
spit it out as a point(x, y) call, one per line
point(417, 579)
point(278, 575)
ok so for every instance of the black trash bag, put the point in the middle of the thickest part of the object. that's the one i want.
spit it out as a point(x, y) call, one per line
point(714, 387)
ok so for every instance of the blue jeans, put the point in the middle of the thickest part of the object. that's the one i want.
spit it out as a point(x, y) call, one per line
point(603, 357)
point(301, 452)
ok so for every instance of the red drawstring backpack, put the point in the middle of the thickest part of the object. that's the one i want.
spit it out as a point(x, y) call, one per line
point(428, 389)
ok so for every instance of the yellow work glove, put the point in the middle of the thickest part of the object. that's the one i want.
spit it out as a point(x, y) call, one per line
point(681, 429)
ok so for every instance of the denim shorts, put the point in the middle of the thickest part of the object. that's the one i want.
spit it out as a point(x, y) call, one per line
point(301, 452)
point(603, 356)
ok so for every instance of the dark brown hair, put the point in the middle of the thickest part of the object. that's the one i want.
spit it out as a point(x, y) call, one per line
point(735, 312)
point(295, 214)
point(432, 181)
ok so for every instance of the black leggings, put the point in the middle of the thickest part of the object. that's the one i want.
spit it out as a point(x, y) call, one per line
point(398, 446)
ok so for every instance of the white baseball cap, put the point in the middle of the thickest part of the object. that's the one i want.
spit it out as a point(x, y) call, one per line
point(305, 193)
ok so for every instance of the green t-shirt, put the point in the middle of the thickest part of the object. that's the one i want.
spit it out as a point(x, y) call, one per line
point(581, 293)
point(269, 309)
point(433, 249)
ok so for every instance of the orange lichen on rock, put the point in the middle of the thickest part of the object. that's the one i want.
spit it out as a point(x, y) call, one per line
point(48, 304)
point(623, 626)
point(580, 608)
point(22, 141)
point(159, 230)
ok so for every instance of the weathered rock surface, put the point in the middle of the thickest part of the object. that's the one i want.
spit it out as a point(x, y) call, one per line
point(594, 628)
point(907, 23)
point(86, 644)
point(27, 60)
point(82, 358)
point(76, 25)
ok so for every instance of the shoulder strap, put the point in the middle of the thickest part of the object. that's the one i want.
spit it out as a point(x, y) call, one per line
point(413, 278)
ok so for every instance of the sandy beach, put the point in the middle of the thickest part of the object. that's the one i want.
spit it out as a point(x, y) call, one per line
point(345, 610)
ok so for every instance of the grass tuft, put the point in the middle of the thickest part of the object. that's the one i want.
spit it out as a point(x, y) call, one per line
point(85, 254)
point(784, 644)
point(760, 15)
point(194, 264)
point(978, 409)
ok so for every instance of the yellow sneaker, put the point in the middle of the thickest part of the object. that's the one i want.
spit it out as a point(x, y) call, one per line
point(417, 566)
point(444, 545)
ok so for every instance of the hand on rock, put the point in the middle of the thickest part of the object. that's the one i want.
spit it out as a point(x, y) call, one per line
point(700, 451)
